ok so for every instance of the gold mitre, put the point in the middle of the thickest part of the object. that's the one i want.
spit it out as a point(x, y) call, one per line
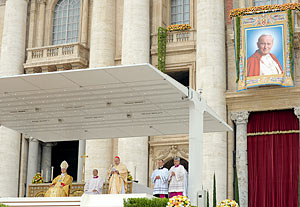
point(64, 165)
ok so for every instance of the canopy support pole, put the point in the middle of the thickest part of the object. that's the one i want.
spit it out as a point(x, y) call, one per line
point(196, 114)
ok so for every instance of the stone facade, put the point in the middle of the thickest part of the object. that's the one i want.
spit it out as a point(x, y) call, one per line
point(113, 37)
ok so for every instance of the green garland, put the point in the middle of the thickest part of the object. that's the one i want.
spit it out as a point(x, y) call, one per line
point(162, 47)
point(238, 48)
point(291, 34)
point(154, 202)
point(214, 191)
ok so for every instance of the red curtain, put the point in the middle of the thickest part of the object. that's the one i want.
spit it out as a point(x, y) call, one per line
point(273, 160)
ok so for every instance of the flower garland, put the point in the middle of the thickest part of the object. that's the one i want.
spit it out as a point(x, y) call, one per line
point(291, 34)
point(238, 46)
point(179, 201)
point(264, 9)
point(178, 27)
point(37, 179)
point(228, 203)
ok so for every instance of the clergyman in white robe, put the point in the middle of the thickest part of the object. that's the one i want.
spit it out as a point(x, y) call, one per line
point(160, 180)
point(94, 185)
point(177, 175)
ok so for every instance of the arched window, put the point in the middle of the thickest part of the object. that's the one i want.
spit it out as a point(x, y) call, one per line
point(268, 2)
point(66, 22)
point(180, 11)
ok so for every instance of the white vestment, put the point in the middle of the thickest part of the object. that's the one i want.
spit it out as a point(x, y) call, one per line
point(95, 183)
point(268, 66)
point(160, 185)
point(186, 179)
point(177, 182)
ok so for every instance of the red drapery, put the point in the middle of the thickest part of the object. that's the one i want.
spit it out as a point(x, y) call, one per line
point(273, 160)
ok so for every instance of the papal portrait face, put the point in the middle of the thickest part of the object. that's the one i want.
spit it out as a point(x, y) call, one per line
point(265, 44)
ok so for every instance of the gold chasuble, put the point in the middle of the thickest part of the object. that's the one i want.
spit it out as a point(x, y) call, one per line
point(60, 186)
point(117, 182)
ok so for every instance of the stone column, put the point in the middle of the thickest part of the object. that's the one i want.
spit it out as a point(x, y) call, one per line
point(297, 112)
point(103, 35)
point(241, 120)
point(136, 32)
point(32, 164)
point(211, 78)
point(46, 160)
point(13, 38)
point(135, 49)
point(41, 23)
point(31, 33)
point(102, 53)
point(81, 153)
point(242, 3)
point(85, 22)
point(11, 63)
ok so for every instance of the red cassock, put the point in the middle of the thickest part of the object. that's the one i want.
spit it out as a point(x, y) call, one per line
point(253, 64)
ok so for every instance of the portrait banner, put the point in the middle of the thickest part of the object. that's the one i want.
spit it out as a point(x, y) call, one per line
point(264, 49)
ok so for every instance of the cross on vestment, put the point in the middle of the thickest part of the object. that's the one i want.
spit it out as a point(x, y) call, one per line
point(83, 168)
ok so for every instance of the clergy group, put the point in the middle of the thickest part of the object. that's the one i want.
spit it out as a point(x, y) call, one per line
point(167, 183)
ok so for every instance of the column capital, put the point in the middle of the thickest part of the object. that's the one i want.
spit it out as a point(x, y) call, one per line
point(297, 111)
point(49, 144)
point(33, 139)
point(42, 1)
point(240, 117)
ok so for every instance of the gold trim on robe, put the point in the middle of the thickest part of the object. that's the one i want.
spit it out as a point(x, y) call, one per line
point(60, 186)
point(117, 181)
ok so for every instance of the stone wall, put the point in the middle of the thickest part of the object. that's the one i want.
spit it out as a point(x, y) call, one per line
point(2, 11)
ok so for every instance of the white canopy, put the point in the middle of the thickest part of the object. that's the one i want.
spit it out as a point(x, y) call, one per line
point(108, 102)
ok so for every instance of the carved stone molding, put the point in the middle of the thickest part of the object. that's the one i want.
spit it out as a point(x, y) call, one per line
point(166, 153)
point(42, 1)
point(240, 117)
point(169, 152)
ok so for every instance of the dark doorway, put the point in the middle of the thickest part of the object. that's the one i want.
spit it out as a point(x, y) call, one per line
point(65, 151)
point(183, 162)
point(182, 76)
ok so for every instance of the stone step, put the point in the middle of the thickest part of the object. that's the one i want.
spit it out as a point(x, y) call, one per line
point(41, 202)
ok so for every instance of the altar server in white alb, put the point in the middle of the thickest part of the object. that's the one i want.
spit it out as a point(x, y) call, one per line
point(94, 185)
point(177, 175)
point(160, 180)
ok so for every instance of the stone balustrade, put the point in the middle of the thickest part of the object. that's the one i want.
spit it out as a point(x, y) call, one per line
point(177, 41)
point(177, 37)
point(181, 36)
point(56, 58)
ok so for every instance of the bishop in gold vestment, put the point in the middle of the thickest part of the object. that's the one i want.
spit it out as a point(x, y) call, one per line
point(61, 185)
point(118, 178)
